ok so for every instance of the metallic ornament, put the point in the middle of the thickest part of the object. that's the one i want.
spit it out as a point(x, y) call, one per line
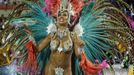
point(59, 71)
point(5, 55)
point(60, 49)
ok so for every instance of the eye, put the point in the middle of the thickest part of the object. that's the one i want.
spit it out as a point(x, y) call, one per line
point(59, 14)
point(64, 14)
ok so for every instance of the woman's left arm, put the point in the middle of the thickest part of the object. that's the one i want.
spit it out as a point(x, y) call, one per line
point(78, 45)
point(85, 64)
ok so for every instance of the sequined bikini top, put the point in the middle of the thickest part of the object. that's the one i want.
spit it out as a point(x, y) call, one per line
point(61, 41)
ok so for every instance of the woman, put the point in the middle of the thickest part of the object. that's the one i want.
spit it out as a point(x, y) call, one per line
point(64, 40)
point(62, 44)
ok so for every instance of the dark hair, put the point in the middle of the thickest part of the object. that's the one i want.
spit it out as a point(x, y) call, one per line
point(63, 12)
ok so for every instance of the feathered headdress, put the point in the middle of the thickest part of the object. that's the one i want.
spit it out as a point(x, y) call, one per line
point(53, 7)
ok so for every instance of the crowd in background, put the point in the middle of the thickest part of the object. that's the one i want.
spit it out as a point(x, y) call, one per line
point(9, 2)
point(4, 2)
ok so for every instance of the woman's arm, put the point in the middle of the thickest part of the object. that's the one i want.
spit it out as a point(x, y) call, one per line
point(44, 42)
point(78, 45)
point(85, 64)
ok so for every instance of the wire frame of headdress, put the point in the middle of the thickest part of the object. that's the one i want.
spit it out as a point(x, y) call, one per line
point(64, 6)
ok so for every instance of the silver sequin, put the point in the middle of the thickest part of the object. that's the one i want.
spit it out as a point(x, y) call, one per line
point(59, 71)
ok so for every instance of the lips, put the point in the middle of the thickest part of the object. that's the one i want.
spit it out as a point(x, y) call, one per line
point(61, 19)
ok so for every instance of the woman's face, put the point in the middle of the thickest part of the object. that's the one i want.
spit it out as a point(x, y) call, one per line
point(63, 18)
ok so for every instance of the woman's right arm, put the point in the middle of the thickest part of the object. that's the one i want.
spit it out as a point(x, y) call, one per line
point(44, 43)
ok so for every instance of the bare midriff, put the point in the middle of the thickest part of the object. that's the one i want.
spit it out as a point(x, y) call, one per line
point(60, 59)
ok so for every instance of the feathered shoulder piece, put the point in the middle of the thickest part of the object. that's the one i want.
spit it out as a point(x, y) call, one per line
point(51, 28)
